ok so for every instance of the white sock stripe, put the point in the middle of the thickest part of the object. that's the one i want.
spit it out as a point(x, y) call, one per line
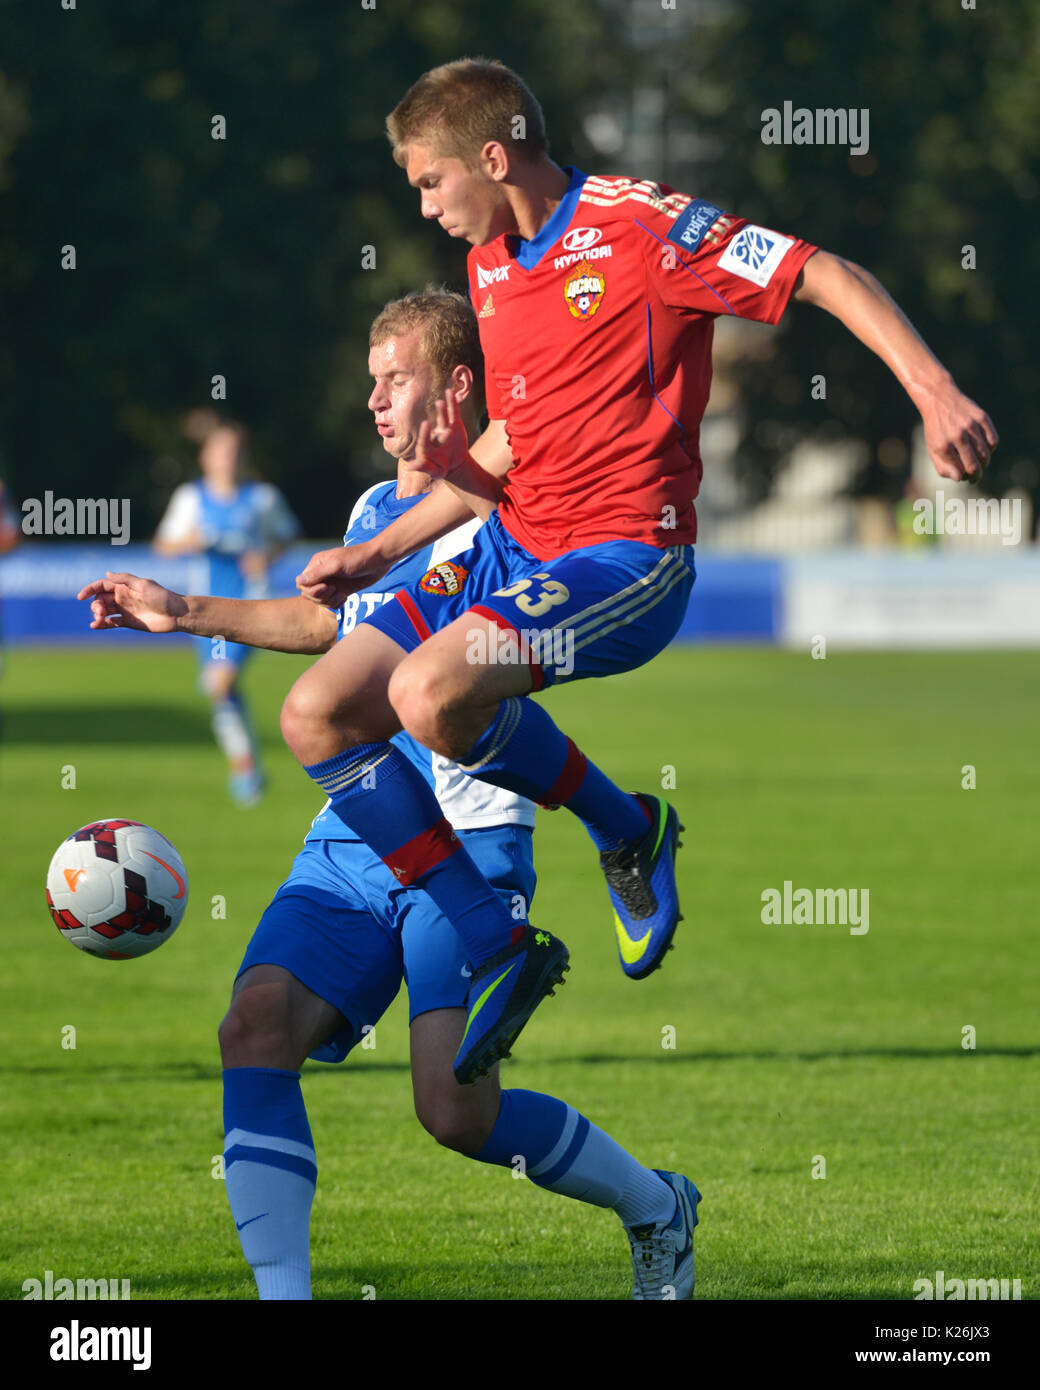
point(669, 565)
point(269, 1141)
point(505, 733)
point(551, 1159)
point(336, 781)
point(631, 615)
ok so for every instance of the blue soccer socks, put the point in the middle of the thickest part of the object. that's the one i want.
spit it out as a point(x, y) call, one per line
point(562, 1151)
point(384, 800)
point(270, 1172)
point(523, 751)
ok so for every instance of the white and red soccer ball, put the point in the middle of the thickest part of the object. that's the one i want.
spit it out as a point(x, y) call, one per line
point(117, 889)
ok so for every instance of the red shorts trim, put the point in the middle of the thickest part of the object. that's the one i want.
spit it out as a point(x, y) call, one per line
point(414, 616)
point(537, 674)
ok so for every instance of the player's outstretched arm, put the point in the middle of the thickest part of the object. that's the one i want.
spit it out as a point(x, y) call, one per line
point(189, 544)
point(332, 575)
point(958, 433)
point(278, 624)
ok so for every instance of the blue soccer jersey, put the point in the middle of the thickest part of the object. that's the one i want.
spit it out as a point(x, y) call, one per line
point(256, 517)
point(341, 923)
point(468, 804)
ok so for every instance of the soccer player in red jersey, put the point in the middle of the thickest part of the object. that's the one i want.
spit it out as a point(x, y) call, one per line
point(596, 299)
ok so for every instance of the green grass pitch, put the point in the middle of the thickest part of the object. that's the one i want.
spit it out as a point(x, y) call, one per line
point(791, 1043)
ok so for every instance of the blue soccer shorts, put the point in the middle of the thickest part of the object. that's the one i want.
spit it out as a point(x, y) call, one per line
point(592, 612)
point(344, 926)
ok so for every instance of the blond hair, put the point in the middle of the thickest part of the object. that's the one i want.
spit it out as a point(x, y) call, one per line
point(458, 107)
point(448, 327)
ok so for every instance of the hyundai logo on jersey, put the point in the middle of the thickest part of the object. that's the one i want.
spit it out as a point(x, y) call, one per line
point(581, 238)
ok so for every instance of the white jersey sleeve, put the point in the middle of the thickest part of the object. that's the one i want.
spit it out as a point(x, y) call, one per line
point(183, 514)
point(275, 519)
point(358, 510)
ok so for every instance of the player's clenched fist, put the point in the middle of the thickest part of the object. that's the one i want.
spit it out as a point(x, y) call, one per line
point(958, 433)
point(331, 576)
point(124, 600)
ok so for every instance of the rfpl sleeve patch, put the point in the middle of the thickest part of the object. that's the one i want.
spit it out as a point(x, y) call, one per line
point(692, 225)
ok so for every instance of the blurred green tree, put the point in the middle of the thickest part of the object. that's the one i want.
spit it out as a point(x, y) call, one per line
point(240, 257)
point(954, 106)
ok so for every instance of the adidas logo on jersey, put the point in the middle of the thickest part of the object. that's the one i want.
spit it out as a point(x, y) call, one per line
point(488, 309)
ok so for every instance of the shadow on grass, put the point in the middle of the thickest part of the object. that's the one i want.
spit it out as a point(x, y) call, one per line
point(198, 1071)
point(108, 722)
point(921, 1054)
point(447, 1281)
point(456, 1280)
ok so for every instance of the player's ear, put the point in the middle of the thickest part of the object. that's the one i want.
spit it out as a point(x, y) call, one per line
point(494, 161)
point(461, 382)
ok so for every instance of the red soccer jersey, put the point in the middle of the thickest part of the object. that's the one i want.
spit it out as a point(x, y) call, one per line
point(597, 341)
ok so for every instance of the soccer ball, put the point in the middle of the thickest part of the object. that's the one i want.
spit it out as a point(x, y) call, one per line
point(117, 889)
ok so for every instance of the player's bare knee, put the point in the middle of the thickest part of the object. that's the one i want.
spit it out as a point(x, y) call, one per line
point(294, 726)
point(459, 1118)
point(464, 1133)
point(416, 694)
point(309, 726)
point(424, 699)
point(255, 1027)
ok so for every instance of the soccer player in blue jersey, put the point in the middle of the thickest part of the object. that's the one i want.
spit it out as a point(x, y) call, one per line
point(332, 948)
point(235, 526)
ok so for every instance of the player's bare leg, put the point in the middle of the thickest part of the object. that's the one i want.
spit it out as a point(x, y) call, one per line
point(443, 697)
point(459, 1117)
point(558, 1149)
point(274, 1020)
point(342, 699)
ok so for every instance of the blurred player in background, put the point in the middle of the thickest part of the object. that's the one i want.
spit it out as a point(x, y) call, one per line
point(331, 950)
point(237, 527)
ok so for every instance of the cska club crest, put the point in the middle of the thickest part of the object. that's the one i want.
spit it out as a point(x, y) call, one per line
point(445, 579)
point(584, 289)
